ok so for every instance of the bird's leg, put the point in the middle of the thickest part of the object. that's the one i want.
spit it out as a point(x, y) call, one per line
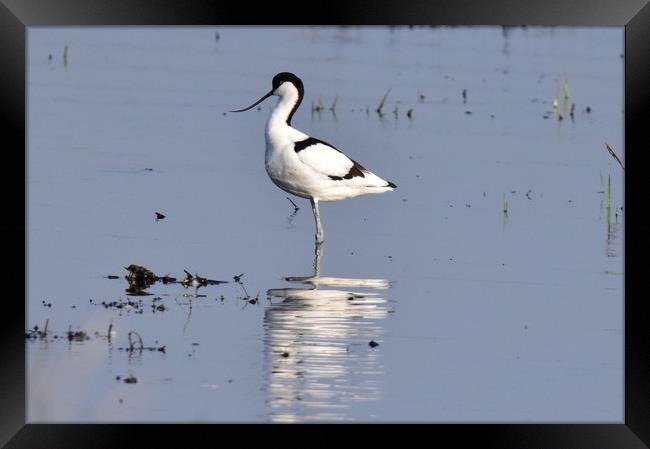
point(318, 252)
point(319, 227)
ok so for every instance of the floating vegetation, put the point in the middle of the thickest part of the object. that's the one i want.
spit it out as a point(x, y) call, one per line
point(197, 281)
point(409, 113)
point(35, 332)
point(505, 205)
point(65, 55)
point(464, 95)
point(421, 97)
point(137, 306)
point(158, 307)
point(166, 279)
point(82, 336)
point(79, 335)
point(139, 279)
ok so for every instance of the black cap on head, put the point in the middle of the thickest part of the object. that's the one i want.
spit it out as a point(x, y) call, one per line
point(287, 77)
point(282, 77)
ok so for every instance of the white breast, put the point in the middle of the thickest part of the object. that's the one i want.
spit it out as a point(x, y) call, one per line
point(286, 171)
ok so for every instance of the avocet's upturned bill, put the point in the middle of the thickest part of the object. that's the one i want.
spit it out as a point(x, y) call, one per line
point(305, 166)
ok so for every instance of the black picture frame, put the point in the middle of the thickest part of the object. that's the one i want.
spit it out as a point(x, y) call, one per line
point(634, 15)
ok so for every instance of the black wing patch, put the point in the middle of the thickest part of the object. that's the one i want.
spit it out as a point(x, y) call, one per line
point(309, 141)
point(356, 169)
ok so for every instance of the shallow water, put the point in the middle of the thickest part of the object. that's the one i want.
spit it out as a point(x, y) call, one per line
point(480, 316)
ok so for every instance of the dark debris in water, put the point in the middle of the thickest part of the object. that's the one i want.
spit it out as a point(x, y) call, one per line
point(120, 304)
point(36, 332)
point(131, 379)
point(166, 279)
point(139, 279)
point(144, 348)
point(373, 344)
point(79, 335)
point(197, 281)
point(132, 347)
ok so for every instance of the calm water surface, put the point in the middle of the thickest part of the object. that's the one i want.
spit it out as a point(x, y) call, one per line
point(480, 315)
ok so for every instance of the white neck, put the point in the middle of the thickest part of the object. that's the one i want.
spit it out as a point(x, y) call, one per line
point(277, 130)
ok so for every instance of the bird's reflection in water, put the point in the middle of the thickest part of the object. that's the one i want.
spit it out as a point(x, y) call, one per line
point(318, 361)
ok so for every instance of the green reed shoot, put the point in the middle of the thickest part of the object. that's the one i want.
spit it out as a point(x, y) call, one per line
point(608, 203)
point(565, 88)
